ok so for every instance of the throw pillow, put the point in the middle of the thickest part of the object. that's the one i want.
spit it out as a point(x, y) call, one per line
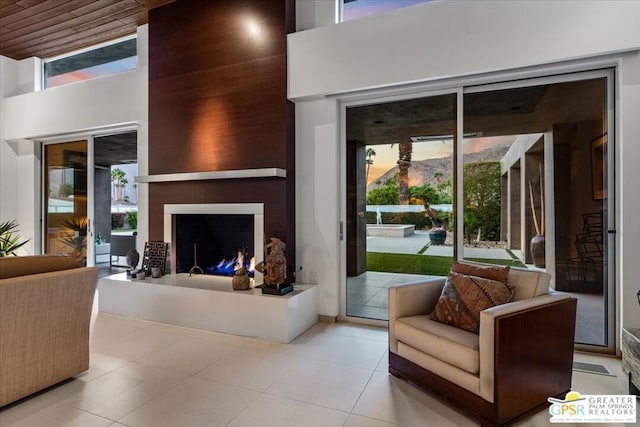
point(492, 272)
point(464, 297)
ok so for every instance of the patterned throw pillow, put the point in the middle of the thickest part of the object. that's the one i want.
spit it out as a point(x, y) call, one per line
point(464, 297)
point(501, 274)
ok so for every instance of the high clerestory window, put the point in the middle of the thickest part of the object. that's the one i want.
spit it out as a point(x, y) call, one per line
point(98, 61)
point(352, 9)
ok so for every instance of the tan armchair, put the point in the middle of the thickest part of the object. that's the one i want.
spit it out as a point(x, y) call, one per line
point(522, 355)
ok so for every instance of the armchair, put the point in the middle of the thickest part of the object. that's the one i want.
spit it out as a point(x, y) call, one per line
point(522, 355)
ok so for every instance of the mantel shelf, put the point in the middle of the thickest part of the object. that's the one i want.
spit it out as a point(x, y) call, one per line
point(226, 174)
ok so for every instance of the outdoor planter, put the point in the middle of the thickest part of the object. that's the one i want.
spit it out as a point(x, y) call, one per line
point(437, 236)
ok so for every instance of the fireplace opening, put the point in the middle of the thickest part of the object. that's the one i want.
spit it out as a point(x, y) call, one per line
point(217, 243)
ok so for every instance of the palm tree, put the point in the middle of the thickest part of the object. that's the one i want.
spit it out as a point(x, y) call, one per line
point(404, 162)
point(119, 180)
point(370, 153)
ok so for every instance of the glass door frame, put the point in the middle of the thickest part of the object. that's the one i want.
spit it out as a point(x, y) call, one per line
point(597, 68)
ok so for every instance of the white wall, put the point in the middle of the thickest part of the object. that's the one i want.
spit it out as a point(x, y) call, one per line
point(312, 14)
point(83, 108)
point(443, 39)
point(628, 175)
point(8, 154)
point(317, 214)
point(421, 43)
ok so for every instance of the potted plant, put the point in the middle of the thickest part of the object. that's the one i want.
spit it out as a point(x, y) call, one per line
point(437, 234)
point(537, 244)
point(10, 238)
point(77, 240)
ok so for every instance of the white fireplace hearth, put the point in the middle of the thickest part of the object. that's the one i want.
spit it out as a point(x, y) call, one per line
point(209, 302)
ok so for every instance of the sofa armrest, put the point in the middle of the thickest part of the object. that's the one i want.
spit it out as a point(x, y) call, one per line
point(528, 345)
point(412, 300)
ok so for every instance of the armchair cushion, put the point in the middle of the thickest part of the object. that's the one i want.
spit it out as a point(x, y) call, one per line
point(464, 297)
point(450, 345)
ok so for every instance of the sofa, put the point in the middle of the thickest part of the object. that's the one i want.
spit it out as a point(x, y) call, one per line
point(521, 355)
point(45, 313)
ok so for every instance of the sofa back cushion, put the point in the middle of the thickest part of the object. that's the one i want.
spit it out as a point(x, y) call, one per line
point(525, 283)
point(493, 272)
point(15, 266)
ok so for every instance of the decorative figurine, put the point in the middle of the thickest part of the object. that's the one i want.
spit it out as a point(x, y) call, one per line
point(274, 267)
point(132, 258)
point(240, 280)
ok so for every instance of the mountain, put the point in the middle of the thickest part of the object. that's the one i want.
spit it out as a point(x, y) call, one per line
point(422, 171)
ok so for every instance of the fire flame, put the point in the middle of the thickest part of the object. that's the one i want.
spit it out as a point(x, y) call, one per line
point(228, 267)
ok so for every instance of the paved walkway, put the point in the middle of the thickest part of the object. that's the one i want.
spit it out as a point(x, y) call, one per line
point(415, 243)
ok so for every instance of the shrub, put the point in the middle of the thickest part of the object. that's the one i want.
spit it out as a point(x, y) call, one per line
point(419, 219)
point(117, 220)
point(132, 219)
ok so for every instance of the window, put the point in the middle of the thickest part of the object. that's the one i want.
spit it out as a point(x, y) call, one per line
point(352, 9)
point(99, 61)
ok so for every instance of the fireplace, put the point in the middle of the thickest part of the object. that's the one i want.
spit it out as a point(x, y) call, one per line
point(214, 239)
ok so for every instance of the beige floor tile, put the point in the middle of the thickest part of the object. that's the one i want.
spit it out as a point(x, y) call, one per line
point(273, 411)
point(193, 403)
point(383, 365)
point(137, 344)
point(359, 421)
point(356, 331)
point(320, 383)
point(339, 349)
point(100, 364)
point(188, 356)
point(252, 368)
point(390, 399)
point(49, 413)
point(119, 392)
point(109, 328)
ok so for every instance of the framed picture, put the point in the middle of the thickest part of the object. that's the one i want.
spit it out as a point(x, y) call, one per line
point(598, 167)
point(155, 255)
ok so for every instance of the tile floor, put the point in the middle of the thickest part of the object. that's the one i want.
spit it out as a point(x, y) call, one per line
point(147, 374)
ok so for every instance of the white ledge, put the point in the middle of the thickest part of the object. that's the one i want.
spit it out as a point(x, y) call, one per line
point(228, 174)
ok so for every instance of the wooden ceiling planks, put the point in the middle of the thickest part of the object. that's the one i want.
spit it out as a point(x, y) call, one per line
point(48, 28)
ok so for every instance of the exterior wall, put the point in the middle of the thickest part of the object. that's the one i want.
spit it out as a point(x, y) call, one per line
point(424, 44)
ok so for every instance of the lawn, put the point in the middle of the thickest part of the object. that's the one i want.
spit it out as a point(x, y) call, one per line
point(422, 264)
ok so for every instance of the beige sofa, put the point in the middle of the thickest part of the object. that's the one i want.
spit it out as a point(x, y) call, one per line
point(522, 355)
point(45, 311)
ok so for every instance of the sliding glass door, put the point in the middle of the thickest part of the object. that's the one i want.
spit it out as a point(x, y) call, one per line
point(538, 188)
point(524, 176)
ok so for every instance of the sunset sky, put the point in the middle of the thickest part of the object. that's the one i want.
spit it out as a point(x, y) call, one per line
point(386, 156)
point(359, 8)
